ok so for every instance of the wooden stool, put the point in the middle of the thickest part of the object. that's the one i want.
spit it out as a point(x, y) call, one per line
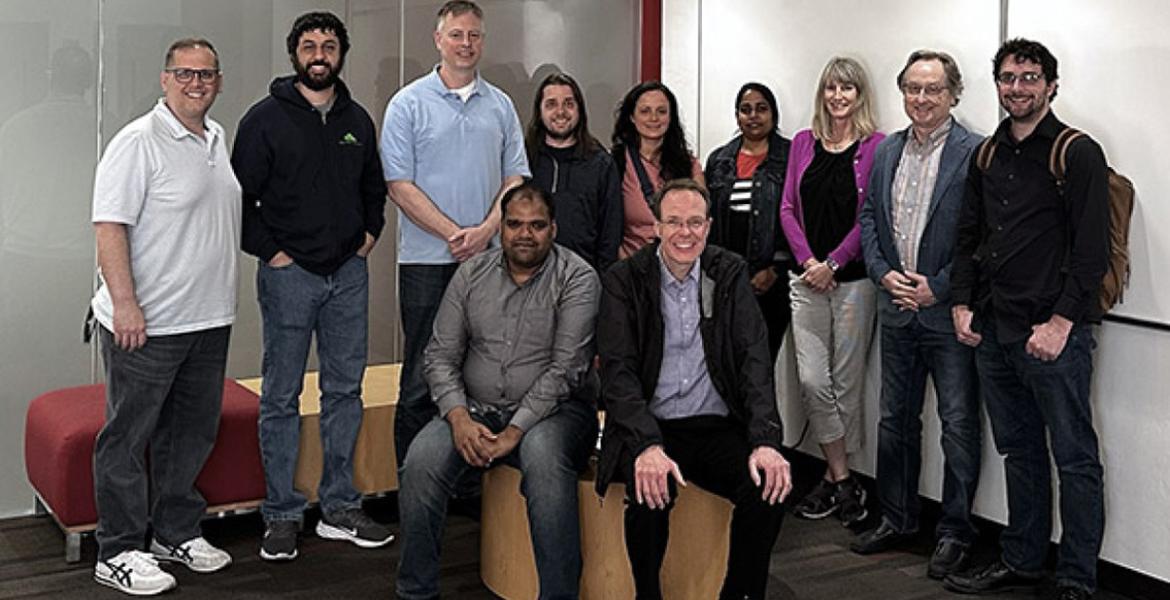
point(696, 557)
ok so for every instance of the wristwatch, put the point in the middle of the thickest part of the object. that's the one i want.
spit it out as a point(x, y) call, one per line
point(832, 264)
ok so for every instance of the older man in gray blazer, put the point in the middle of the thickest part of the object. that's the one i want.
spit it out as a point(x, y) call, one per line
point(908, 228)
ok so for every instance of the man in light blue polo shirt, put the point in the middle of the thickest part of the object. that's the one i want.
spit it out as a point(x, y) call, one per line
point(451, 146)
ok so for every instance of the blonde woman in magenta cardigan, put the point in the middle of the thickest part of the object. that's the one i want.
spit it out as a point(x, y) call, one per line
point(833, 301)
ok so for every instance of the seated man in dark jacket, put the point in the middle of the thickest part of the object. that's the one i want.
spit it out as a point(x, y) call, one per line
point(687, 382)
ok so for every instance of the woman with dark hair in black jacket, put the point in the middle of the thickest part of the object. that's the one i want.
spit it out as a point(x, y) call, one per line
point(746, 181)
point(650, 148)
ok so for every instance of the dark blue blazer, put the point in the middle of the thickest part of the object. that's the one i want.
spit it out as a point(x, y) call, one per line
point(936, 248)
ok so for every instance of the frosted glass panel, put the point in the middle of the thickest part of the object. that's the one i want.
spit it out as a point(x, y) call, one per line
point(56, 116)
point(48, 149)
point(596, 42)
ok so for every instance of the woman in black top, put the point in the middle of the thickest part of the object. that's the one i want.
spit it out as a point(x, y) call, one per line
point(833, 303)
point(746, 179)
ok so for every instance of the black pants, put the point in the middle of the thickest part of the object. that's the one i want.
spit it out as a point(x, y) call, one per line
point(777, 309)
point(711, 452)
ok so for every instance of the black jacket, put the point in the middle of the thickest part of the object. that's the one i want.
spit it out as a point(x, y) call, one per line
point(587, 192)
point(630, 338)
point(767, 245)
point(311, 188)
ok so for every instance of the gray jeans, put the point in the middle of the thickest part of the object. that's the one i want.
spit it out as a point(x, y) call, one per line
point(167, 396)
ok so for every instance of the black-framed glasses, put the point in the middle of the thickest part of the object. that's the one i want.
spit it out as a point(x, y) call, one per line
point(1030, 78)
point(184, 75)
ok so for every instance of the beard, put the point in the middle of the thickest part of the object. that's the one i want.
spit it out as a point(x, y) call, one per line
point(526, 256)
point(318, 82)
point(561, 136)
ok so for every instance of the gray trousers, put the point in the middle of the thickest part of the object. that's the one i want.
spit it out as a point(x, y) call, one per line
point(832, 334)
point(167, 396)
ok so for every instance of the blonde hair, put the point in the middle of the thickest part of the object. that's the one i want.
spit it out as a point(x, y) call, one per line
point(844, 70)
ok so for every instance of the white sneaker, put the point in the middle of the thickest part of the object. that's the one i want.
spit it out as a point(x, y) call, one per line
point(134, 572)
point(199, 555)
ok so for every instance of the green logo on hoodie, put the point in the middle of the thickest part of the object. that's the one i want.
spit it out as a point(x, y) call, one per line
point(349, 139)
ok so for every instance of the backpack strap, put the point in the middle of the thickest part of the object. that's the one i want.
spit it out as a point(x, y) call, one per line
point(1058, 157)
point(986, 151)
point(643, 177)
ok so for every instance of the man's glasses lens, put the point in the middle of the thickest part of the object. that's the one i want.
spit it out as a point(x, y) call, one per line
point(186, 75)
point(1023, 78)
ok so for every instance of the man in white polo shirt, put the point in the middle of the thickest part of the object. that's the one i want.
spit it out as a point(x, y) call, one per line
point(166, 212)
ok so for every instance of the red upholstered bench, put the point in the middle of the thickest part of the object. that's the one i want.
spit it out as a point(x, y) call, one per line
point(59, 434)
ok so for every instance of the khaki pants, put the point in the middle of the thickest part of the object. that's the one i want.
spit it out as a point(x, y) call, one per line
point(832, 333)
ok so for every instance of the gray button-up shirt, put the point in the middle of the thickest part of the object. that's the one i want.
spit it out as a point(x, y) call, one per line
point(498, 346)
point(684, 387)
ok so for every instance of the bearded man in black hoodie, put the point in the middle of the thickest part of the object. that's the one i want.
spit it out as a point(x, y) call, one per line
point(306, 157)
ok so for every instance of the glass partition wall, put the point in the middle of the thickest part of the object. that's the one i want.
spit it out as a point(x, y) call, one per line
point(85, 69)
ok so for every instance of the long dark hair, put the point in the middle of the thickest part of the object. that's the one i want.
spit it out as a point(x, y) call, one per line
point(534, 134)
point(676, 154)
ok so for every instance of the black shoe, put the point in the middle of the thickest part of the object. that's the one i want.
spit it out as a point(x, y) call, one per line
point(819, 503)
point(879, 539)
point(989, 579)
point(1068, 592)
point(353, 525)
point(280, 540)
point(850, 497)
point(950, 556)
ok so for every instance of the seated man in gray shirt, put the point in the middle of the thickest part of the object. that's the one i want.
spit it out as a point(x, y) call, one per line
point(687, 382)
point(509, 365)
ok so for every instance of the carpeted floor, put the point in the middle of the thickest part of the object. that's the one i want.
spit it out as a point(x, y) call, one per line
point(810, 562)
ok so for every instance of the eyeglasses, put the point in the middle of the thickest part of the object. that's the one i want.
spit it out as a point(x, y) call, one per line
point(183, 75)
point(932, 91)
point(1030, 78)
point(693, 223)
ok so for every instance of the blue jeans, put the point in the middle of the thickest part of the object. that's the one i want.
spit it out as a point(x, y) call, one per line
point(909, 354)
point(296, 304)
point(1026, 396)
point(166, 395)
point(420, 289)
point(550, 456)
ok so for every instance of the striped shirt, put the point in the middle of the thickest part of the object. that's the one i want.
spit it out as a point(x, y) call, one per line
point(913, 188)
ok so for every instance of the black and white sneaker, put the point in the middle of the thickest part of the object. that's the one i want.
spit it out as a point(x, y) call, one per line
point(354, 525)
point(850, 497)
point(821, 502)
point(133, 572)
point(199, 555)
point(280, 540)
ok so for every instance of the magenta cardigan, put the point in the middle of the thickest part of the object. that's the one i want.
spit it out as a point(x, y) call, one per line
point(792, 220)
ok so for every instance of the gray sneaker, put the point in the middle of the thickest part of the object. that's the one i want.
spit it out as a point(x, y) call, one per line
point(280, 540)
point(354, 525)
point(196, 553)
point(133, 572)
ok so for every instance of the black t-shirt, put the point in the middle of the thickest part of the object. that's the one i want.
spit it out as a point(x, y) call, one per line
point(828, 200)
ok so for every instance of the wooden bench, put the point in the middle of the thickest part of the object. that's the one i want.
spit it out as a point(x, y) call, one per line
point(696, 556)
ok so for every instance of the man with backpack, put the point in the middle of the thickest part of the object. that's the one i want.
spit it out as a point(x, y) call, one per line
point(1032, 248)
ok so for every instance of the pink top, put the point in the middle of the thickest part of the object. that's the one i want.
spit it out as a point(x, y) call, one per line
point(639, 221)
